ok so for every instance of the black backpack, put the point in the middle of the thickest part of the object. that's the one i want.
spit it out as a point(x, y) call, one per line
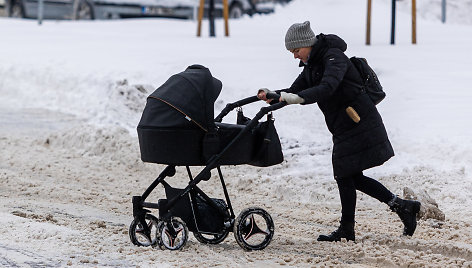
point(371, 84)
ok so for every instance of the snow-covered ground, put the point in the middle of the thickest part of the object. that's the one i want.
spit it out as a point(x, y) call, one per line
point(72, 94)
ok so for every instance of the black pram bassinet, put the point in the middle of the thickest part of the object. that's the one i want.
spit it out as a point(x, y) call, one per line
point(178, 128)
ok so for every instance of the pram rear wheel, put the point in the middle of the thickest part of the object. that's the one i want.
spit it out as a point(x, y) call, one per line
point(253, 229)
point(138, 235)
point(211, 238)
point(172, 234)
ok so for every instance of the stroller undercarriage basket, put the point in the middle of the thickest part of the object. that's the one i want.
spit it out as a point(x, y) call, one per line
point(198, 215)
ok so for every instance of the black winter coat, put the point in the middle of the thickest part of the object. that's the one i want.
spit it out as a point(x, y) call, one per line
point(330, 79)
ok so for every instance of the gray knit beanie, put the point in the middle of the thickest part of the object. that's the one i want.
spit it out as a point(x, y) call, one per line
point(299, 35)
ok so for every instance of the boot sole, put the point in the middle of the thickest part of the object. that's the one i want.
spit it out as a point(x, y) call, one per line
point(324, 238)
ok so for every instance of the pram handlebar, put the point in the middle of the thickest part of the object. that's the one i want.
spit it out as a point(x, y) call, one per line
point(273, 95)
point(231, 106)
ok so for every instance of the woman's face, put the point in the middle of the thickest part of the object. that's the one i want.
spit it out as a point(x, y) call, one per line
point(301, 53)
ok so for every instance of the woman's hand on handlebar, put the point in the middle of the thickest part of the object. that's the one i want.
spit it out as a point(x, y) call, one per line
point(263, 93)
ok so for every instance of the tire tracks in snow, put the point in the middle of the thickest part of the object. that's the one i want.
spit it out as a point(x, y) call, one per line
point(19, 257)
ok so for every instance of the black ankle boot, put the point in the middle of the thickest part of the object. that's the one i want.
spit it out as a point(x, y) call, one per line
point(345, 230)
point(407, 210)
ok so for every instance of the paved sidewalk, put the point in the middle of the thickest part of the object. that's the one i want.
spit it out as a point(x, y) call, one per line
point(20, 122)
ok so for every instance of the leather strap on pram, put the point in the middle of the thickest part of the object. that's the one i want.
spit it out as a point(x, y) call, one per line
point(186, 116)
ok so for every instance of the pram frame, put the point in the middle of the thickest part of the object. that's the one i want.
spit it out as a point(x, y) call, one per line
point(140, 204)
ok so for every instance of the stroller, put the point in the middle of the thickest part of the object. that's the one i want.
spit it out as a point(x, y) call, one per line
point(178, 128)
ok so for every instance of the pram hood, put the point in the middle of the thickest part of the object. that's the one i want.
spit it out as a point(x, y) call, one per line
point(185, 100)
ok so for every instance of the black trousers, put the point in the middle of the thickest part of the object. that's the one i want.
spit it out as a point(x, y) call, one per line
point(347, 191)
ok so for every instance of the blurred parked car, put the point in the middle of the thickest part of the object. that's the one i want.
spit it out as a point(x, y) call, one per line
point(101, 9)
point(266, 6)
point(237, 8)
point(2, 5)
point(114, 9)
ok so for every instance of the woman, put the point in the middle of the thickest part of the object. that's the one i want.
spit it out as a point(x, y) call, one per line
point(359, 136)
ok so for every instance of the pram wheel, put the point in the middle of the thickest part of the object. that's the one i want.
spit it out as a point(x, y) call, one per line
point(172, 234)
point(138, 235)
point(211, 238)
point(253, 229)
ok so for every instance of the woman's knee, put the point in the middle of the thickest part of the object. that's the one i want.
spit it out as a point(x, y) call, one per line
point(345, 181)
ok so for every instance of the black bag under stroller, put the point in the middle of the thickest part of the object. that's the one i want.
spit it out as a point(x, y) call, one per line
point(178, 128)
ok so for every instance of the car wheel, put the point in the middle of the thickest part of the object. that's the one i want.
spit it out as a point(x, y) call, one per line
point(16, 10)
point(83, 10)
point(236, 11)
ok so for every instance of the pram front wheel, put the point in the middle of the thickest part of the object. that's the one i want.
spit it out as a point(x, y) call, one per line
point(253, 229)
point(137, 232)
point(172, 234)
point(211, 238)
